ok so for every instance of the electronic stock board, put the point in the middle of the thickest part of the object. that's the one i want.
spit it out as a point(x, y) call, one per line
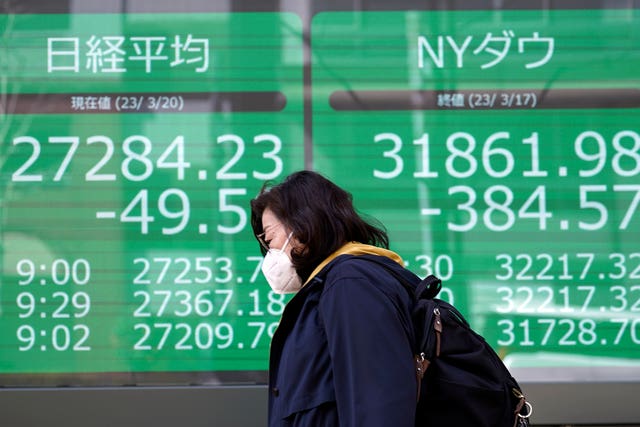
point(502, 152)
point(133, 149)
point(500, 148)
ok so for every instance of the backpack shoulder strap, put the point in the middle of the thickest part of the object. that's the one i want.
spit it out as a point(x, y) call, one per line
point(429, 287)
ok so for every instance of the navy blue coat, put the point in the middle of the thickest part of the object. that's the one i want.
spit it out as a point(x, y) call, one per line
point(342, 354)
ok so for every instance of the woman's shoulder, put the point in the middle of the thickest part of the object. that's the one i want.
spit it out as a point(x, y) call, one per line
point(359, 282)
point(347, 269)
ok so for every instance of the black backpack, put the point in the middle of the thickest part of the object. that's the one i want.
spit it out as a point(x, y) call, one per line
point(461, 379)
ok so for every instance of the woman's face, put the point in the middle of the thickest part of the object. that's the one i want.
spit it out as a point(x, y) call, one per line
point(275, 232)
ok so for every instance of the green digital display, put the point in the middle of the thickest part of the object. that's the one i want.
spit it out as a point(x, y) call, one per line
point(502, 151)
point(131, 150)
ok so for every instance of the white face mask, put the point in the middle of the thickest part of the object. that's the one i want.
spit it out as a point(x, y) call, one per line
point(279, 272)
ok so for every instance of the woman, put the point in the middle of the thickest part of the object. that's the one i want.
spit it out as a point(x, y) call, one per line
point(342, 354)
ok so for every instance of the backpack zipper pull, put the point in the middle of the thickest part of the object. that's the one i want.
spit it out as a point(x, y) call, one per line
point(437, 325)
point(421, 367)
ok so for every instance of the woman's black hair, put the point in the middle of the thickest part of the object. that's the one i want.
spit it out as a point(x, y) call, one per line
point(320, 214)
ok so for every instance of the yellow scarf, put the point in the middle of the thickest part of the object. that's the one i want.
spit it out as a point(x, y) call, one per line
point(355, 248)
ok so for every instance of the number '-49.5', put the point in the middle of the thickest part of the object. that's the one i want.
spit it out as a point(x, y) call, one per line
point(174, 205)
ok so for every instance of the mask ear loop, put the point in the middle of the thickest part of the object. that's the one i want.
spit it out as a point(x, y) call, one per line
point(286, 242)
